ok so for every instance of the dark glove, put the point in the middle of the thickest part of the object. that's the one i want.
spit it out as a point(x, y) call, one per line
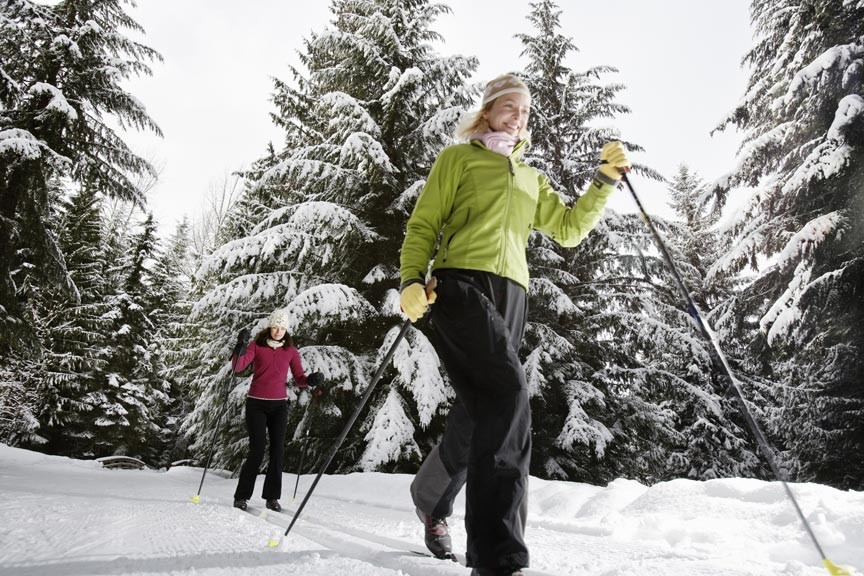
point(314, 382)
point(242, 342)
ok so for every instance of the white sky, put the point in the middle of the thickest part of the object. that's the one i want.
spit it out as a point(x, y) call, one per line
point(679, 59)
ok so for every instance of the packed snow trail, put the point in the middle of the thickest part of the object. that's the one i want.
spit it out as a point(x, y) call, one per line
point(61, 516)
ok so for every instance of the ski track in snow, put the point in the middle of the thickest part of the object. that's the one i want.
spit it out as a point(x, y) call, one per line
point(67, 517)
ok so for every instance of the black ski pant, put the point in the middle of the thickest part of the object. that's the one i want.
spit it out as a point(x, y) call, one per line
point(479, 320)
point(264, 418)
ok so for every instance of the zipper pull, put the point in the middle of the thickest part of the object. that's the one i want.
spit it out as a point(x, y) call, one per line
point(510, 165)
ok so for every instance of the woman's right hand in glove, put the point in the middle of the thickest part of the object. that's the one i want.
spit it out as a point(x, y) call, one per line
point(242, 342)
point(415, 299)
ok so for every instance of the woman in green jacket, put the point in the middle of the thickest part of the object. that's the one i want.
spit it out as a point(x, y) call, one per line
point(484, 201)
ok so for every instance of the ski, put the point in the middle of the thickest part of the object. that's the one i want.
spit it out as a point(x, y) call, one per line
point(281, 520)
point(315, 533)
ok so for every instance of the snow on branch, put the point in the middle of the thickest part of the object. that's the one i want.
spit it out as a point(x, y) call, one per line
point(848, 110)
point(361, 152)
point(408, 80)
point(391, 435)
point(825, 161)
point(381, 273)
point(314, 233)
point(56, 105)
point(340, 367)
point(785, 314)
point(817, 75)
point(250, 292)
point(442, 121)
point(579, 427)
point(555, 298)
point(404, 203)
point(419, 371)
point(340, 107)
point(307, 170)
point(803, 242)
point(327, 304)
point(23, 144)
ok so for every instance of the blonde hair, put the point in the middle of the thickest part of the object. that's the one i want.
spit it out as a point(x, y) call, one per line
point(473, 121)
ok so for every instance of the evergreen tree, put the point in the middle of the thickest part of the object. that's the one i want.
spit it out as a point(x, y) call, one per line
point(362, 128)
point(134, 395)
point(795, 245)
point(176, 337)
point(621, 382)
point(69, 375)
point(19, 403)
point(574, 407)
point(710, 420)
point(62, 69)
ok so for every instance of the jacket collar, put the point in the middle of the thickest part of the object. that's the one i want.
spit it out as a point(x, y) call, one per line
point(516, 154)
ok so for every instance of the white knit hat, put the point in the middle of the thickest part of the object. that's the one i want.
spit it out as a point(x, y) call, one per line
point(506, 84)
point(279, 318)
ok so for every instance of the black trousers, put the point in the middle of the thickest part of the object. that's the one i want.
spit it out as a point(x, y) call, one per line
point(479, 321)
point(264, 418)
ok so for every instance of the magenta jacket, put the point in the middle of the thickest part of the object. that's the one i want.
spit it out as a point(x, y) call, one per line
point(270, 370)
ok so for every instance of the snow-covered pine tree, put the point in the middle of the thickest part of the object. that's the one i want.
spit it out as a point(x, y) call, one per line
point(716, 442)
point(177, 339)
point(62, 71)
point(133, 395)
point(573, 410)
point(362, 127)
point(796, 243)
point(75, 335)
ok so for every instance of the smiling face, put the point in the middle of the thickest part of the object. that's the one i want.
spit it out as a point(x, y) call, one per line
point(277, 332)
point(509, 113)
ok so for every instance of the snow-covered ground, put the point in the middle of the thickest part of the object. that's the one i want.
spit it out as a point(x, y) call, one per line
point(72, 517)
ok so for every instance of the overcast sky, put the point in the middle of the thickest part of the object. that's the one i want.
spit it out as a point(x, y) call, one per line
point(679, 60)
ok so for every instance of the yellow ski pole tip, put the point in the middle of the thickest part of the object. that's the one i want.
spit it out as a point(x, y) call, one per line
point(835, 570)
point(273, 543)
point(195, 498)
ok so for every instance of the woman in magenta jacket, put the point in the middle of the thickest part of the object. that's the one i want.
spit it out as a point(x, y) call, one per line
point(272, 354)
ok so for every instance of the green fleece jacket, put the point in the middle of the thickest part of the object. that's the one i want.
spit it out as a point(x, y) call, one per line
point(485, 206)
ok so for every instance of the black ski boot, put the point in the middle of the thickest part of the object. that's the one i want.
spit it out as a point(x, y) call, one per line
point(437, 536)
point(274, 505)
point(239, 503)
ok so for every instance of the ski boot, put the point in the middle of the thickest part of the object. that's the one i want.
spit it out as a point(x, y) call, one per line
point(274, 505)
point(437, 536)
point(240, 503)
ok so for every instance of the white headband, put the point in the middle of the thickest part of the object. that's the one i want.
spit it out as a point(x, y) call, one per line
point(504, 91)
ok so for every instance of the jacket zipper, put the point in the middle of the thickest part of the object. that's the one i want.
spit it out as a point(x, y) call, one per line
point(501, 257)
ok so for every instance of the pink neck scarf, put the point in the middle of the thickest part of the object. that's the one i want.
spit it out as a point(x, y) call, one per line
point(500, 142)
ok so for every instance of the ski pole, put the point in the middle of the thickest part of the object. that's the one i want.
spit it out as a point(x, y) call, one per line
point(218, 431)
point(833, 569)
point(345, 430)
point(300, 466)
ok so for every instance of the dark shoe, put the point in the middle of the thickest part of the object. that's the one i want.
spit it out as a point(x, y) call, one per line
point(437, 535)
point(489, 572)
point(274, 505)
point(241, 504)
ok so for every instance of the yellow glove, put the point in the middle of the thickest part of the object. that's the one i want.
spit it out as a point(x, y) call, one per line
point(415, 299)
point(613, 160)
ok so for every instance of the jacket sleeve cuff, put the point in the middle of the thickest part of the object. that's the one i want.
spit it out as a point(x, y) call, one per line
point(601, 179)
point(411, 281)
